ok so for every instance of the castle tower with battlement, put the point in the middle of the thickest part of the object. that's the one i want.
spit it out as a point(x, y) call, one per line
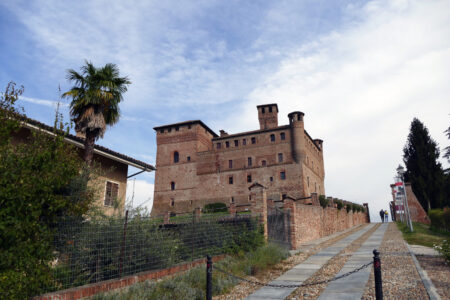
point(195, 166)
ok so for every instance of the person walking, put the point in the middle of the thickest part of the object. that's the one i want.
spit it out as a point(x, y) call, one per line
point(382, 215)
point(386, 216)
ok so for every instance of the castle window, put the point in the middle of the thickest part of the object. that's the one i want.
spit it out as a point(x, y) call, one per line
point(244, 142)
point(263, 163)
point(236, 143)
point(176, 157)
point(230, 180)
point(227, 144)
point(280, 157)
point(172, 185)
point(263, 109)
point(249, 161)
point(307, 180)
point(249, 178)
point(253, 140)
point(172, 203)
point(282, 175)
point(161, 130)
point(177, 128)
point(282, 136)
point(271, 178)
point(315, 187)
point(188, 158)
point(230, 164)
point(232, 200)
point(111, 193)
point(283, 196)
point(219, 145)
point(312, 164)
point(272, 137)
point(270, 108)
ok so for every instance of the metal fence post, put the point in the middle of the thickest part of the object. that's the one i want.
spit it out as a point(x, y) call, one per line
point(377, 273)
point(208, 277)
point(122, 248)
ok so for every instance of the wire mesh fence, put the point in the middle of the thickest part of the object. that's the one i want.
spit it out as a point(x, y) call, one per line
point(109, 248)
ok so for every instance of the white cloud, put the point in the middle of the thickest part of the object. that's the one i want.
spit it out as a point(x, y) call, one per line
point(48, 103)
point(140, 194)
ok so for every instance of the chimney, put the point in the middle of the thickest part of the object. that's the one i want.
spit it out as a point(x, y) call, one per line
point(268, 116)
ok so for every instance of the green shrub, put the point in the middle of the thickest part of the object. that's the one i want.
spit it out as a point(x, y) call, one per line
point(444, 249)
point(323, 201)
point(437, 219)
point(348, 207)
point(37, 186)
point(218, 207)
point(339, 204)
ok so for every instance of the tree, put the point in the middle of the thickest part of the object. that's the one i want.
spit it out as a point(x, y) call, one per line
point(96, 95)
point(424, 171)
point(38, 185)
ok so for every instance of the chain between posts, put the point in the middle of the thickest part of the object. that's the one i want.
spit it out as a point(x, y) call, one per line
point(294, 285)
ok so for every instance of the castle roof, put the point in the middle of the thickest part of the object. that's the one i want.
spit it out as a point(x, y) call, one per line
point(251, 132)
point(192, 122)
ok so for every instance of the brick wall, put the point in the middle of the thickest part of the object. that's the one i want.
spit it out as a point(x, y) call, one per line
point(310, 222)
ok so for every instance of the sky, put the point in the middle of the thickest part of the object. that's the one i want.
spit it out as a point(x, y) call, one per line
point(359, 70)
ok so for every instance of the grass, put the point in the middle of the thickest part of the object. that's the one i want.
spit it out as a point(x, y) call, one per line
point(422, 235)
point(191, 284)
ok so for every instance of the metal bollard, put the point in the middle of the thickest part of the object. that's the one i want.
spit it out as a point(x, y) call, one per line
point(377, 273)
point(208, 277)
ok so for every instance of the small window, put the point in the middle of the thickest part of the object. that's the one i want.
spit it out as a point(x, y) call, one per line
point(249, 178)
point(176, 157)
point(315, 187)
point(230, 164)
point(283, 196)
point(232, 200)
point(253, 140)
point(249, 161)
point(307, 180)
point(236, 143)
point(188, 158)
point(177, 128)
point(172, 185)
point(282, 136)
point(230, 180)
point(161, 130)
point(227, 144)
point(283, 175)
point(271, 178)
point(280, 157)
point(111, 193)
point(244, 142)
point(263, 163)
point(263, 110)
point(219, 145)
point(270, 108)
point(272, 137)
point(172, 202)
point(312, 163)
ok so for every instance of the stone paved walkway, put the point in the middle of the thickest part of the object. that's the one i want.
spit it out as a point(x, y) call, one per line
point(352, 287)
point(303, 271)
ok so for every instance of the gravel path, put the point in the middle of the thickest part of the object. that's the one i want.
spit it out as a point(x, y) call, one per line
point(439, 273)
point(329, 271)
point(400, 277)
point(244, 289)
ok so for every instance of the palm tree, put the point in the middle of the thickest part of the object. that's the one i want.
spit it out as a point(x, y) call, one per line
point(96, 95)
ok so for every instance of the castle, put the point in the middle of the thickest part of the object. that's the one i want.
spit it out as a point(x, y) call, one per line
point(195, 166)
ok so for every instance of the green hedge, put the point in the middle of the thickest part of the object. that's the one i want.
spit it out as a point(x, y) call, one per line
point(218, 207)
point(323, 201)
point(440, 219)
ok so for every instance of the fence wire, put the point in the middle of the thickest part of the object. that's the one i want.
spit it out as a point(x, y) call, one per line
point(97, 250)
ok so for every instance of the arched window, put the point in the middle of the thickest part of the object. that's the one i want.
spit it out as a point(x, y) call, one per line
point(176, 157)
point(172, 185)
point(264, 163)
point(272, 137)
point(282, 136)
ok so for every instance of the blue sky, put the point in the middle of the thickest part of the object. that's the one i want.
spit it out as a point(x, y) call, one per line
point(360, 70)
